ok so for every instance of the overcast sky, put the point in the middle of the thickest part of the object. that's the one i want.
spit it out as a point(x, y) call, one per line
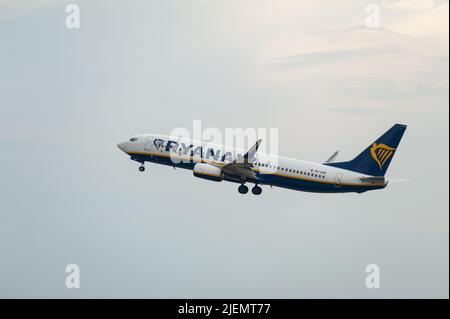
point(309, 68)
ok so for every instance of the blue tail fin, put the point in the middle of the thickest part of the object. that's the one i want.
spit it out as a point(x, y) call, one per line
point(375, 159)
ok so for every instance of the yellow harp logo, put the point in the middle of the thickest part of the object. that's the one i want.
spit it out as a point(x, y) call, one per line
point(381, 153)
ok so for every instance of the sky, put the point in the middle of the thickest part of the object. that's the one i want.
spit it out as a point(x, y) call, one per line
point(313, 70)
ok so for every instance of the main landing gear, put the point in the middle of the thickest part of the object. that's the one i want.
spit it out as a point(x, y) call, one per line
point(256, 190)
point(243, 189)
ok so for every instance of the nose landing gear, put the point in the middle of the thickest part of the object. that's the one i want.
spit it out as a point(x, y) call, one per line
point(141, 168)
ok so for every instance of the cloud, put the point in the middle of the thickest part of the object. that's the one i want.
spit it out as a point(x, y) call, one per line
point(310, 59)
point(412, 43)
point(354, 110)
point(429, 21)
point(10, 9)
point(410, 5)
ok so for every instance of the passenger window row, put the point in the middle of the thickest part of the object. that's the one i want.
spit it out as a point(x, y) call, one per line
point(290, 170)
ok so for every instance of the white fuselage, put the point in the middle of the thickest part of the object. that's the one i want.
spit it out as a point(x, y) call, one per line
point(269, 169)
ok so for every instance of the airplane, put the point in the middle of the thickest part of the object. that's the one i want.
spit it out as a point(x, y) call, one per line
point(221, 163)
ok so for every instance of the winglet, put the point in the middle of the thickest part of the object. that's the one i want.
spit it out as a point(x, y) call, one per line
point(252, 151)
point(250, 154)
point(332, 158)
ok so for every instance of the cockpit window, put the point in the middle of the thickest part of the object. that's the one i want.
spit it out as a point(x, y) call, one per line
point(133, 139)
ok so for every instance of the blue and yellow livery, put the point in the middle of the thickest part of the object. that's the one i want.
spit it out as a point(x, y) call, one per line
point(220, 163)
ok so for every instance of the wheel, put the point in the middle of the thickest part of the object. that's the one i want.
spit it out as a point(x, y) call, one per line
point(141, 168)
point(257, 190)
point(243, 189)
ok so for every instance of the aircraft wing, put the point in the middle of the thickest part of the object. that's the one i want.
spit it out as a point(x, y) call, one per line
point(242, 167)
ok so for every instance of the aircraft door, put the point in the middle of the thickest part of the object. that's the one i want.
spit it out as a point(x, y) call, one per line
point(338, 182)
point(148, 144)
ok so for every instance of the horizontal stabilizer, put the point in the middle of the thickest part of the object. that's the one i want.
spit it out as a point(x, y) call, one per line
point(374, 180)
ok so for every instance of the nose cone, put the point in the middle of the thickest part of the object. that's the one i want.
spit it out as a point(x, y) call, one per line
point(122, 146)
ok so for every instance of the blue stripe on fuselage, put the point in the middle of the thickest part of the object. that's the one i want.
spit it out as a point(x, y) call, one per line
point(270, 179)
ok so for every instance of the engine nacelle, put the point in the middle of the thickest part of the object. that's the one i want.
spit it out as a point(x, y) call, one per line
point(209, 172)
